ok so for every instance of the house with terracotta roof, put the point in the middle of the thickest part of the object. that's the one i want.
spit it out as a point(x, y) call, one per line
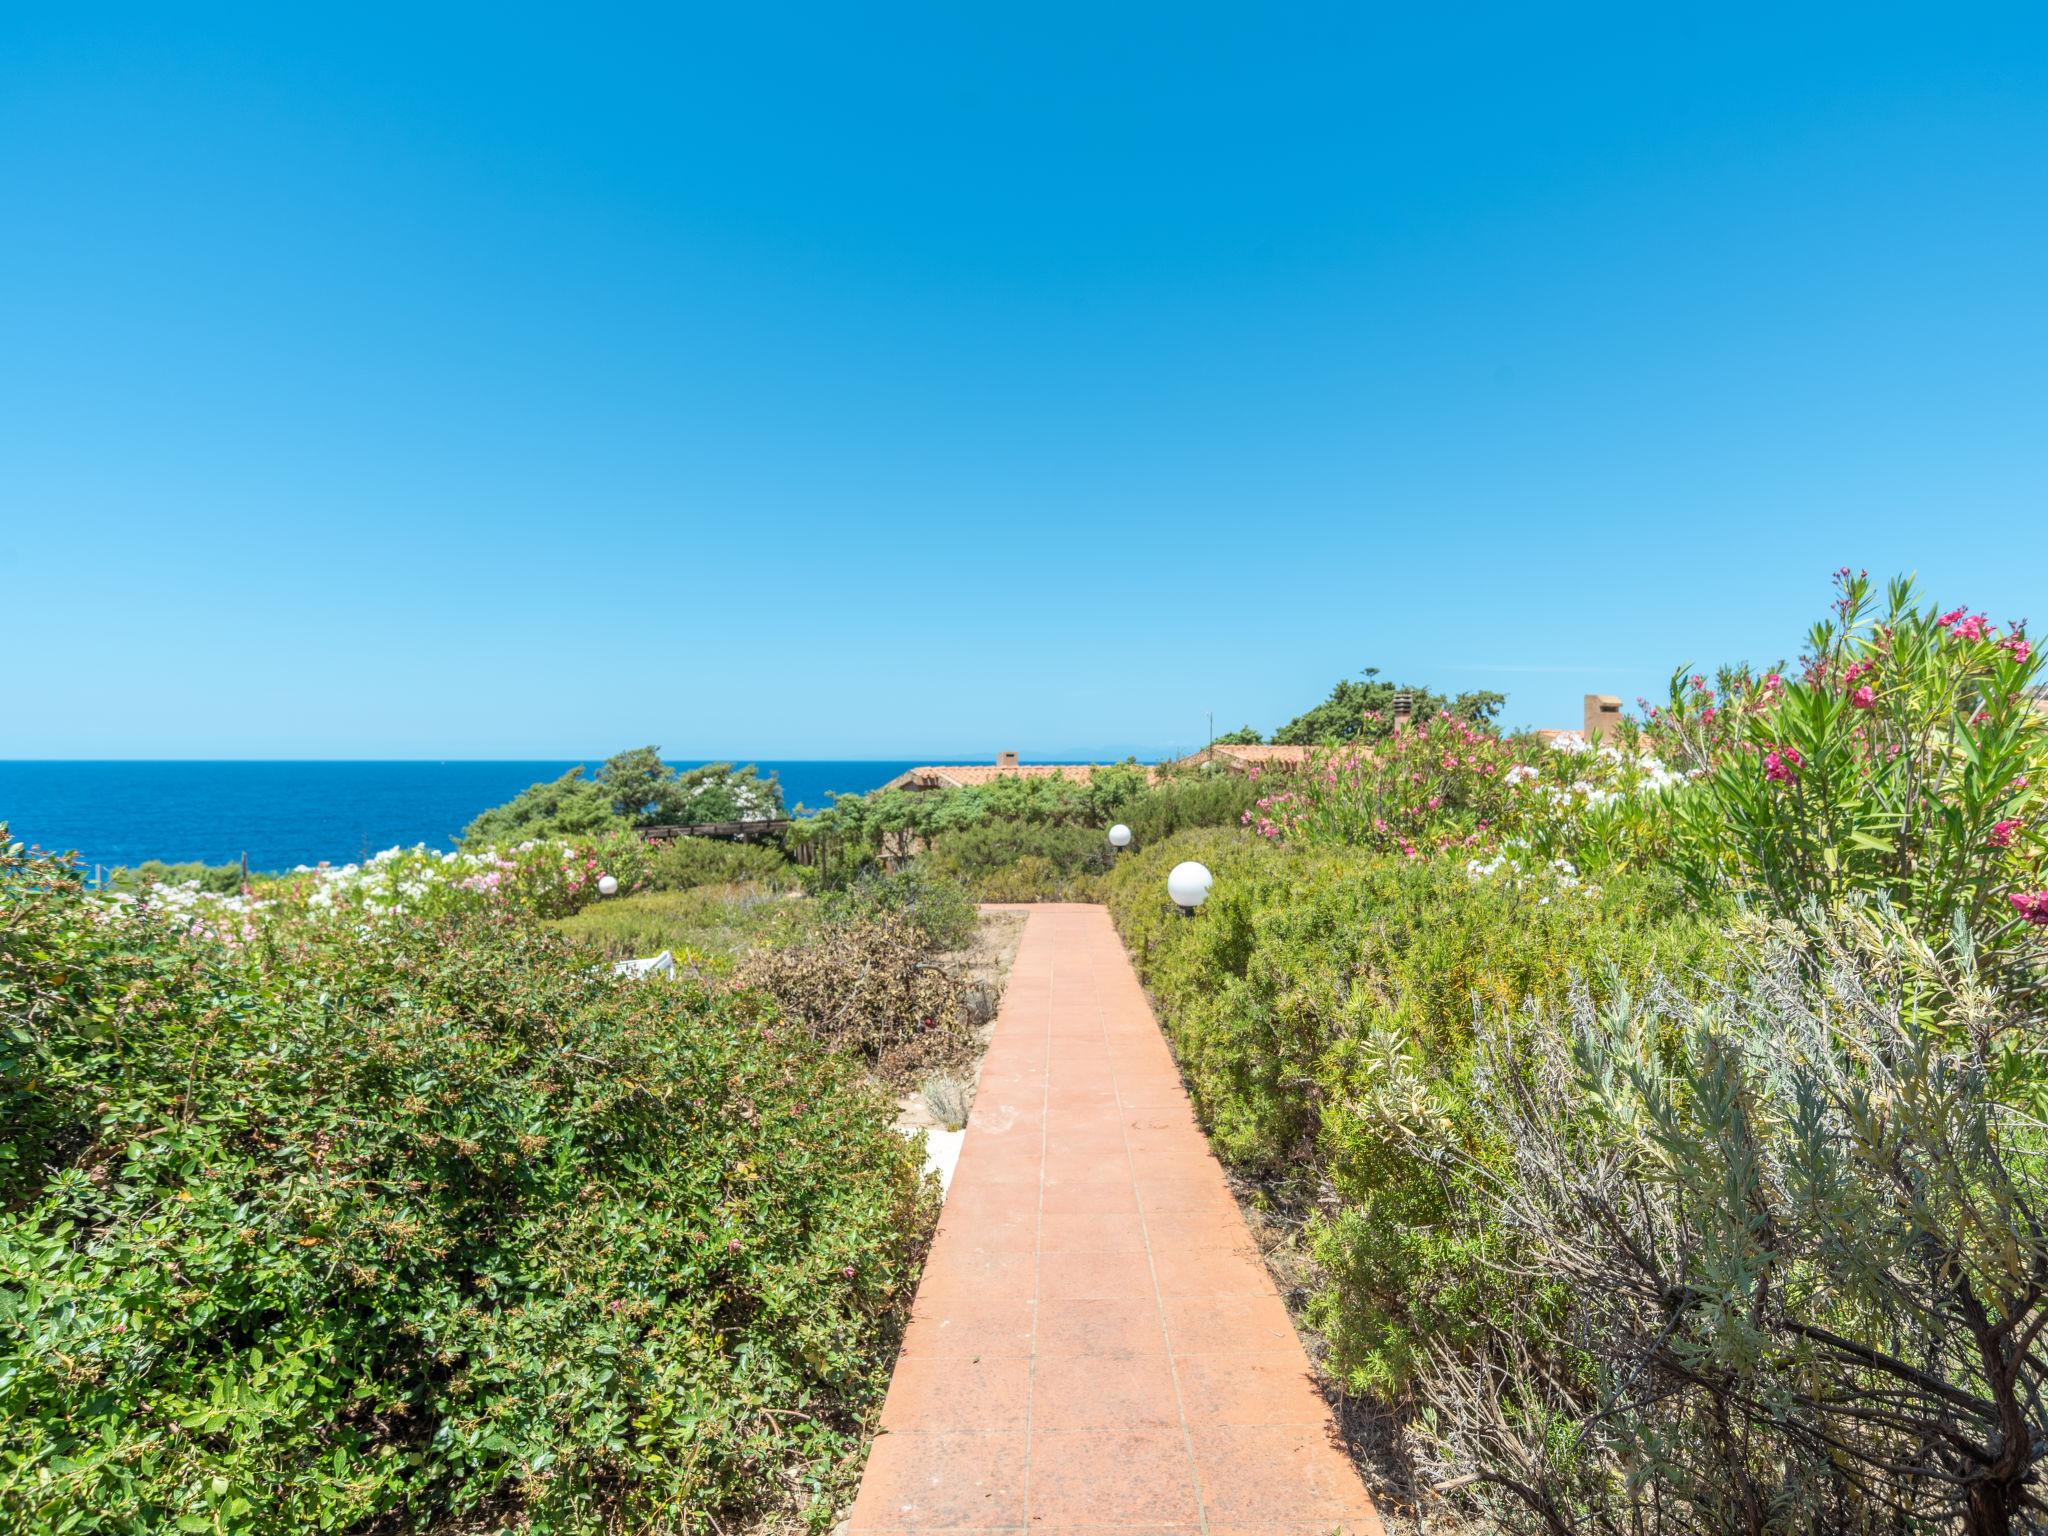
point(1243, 758)
point(1006, 766)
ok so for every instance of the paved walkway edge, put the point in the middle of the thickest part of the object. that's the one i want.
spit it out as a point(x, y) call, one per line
point(1096, 1344)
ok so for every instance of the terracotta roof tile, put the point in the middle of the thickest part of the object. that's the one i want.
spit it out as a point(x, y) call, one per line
point(964, 775)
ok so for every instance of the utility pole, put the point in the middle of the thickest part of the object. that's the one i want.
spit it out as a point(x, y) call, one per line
point(1212, 729)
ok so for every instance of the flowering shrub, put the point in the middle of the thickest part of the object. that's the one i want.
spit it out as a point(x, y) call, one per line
point(422, 1224)
point(990, 829)
point(1448, 787)
point(1909, 757)
point(552, 878)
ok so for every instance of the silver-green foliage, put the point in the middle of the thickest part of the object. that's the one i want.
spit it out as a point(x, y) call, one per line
point(1785, 1254)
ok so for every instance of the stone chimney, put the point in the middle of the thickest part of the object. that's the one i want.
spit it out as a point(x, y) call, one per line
point(1603, 713)
point(1404, 710)
point(1006, 759)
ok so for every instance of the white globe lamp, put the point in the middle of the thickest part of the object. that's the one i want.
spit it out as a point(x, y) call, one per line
point(1119, 836)
point(1188, 885)
point(607, 885)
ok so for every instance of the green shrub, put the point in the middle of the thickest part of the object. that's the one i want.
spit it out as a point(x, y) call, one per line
point(218, 879)
point(941, 909)
point(988, 860)
point(685, 862)
point(1302, 1001)
point(1205, 798)
point(708, 925)
point(1908, 758)
point(1789, 1242)
point(428, 1226)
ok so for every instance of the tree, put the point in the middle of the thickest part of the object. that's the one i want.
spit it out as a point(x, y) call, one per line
point(1243, 736)
point(649, 793)
point(1343, 716)
point(633, 789)
point(571, 806)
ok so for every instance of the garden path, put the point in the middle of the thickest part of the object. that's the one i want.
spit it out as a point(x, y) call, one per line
point(1096, 1343)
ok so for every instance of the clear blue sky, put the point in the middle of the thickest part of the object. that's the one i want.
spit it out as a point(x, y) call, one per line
point(921, 381)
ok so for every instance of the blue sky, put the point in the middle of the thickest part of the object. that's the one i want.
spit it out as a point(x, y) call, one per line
point(926, 380)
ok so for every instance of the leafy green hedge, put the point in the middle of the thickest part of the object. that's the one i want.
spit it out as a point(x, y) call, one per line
point(1303, 1002)
point(1022, 860)
point(428, 1229)
point(688, 862)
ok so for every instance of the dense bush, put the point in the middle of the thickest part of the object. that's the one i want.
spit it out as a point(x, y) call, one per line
point(1908, 759)
point(1304, 1005)
point(550, 878)
point(1643, 1249)
point(215, 879)
point(940, 909)
point(691, 861)
point(1177, 801)
point(872, 986)
point(419, 1225)
point(1022, 860)
point(706, 926)
point(1017, 838)
point(1796, 1244)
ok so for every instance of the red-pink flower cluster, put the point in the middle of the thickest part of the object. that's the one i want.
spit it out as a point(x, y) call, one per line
point(2032, 906)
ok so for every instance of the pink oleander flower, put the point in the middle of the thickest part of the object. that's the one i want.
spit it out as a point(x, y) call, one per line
point(1975, 627)
point(1781, 765)
point(1864, 697)
point(1950, 617)
point(1435, 801)
point(2000, 835)
point(1854, 670)
point(2032, 906)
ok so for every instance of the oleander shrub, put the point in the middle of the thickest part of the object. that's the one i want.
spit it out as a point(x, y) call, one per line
point(1908, 758)
point(422, 1225)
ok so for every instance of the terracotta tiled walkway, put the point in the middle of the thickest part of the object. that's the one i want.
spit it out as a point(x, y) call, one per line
point(1096, 1344)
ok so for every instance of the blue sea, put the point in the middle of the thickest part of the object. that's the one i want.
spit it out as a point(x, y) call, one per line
point(282, 814)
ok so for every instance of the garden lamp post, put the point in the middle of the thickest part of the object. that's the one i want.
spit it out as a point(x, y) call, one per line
point(607, 885)
point(1188, 885)
point(1119, 837)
